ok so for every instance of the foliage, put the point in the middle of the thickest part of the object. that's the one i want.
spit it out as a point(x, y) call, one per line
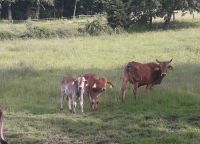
point(96, 27)
point(5, 35)
point(116, 14)
point(125, 13)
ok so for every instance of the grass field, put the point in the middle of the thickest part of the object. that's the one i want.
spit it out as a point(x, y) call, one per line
point(31, 71)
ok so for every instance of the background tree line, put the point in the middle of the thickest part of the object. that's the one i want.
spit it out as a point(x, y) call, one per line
point(25, 9)
point(120, 13)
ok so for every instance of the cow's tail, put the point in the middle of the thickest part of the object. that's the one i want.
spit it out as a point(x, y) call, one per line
point(2, 141)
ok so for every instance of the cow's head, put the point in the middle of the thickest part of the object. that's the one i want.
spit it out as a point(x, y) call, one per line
point(82, 82)
point(163, 67)
point(102, 84)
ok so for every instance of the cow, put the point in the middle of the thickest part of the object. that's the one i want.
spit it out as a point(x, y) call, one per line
point(95, 88)
point(2, 141)
point(72, 89)
point(148, 74)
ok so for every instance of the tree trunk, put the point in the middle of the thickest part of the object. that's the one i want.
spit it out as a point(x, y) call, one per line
point(0, 10)
point(150, 21)
point(62, 9)
point(74, 14)
point(167, 21)
point(174, 16)
point(10, 11)
point(28, 13)
point(37, 14)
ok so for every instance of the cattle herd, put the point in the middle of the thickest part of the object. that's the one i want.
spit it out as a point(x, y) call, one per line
point(137, 74)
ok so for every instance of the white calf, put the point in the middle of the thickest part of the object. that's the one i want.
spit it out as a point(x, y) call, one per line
point(72, 88)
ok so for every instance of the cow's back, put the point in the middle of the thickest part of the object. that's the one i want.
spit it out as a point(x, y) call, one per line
point(141, 73)
point(91, 78)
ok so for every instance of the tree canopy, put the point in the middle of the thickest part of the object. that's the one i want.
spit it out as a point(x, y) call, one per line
point(120, 13)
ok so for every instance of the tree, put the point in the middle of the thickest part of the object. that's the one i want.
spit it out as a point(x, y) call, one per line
point(169, 6)
point(90, 7)
point(117, 15)
point(36, 4)
point(0, 8)
point(74, 14)
point(9, 5)
point(142, 11)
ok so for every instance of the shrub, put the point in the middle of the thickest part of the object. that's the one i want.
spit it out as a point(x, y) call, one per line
point(38, 32)
point(5, 35)
point(95, 28)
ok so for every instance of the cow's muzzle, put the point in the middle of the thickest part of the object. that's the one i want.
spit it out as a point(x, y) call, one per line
point(163, 74)
point(80, 88)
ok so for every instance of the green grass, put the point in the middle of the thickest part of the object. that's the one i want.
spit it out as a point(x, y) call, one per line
point(31, 71)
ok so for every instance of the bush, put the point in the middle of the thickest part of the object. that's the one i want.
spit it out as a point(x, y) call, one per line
point(95, 28)
point(37, 32)
point(5, 35)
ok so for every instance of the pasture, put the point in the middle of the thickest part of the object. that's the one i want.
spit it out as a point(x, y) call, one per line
point(31, 70)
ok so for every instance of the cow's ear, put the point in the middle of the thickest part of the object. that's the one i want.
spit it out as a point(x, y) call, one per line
point(75, 81)
point(86, 83)
point(170, 67)
point(94, 85)
point(157, 68)
point(110, 84)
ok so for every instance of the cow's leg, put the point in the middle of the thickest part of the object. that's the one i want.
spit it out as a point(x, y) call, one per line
point(135, 87)
point(124, 83)
point(81, 102)
point(2, 141)
point(149, 87)
point(97, 102)
point(93, 103)
point(90, 100)
point(61, 99)
point(69, 100)
point(74, 103)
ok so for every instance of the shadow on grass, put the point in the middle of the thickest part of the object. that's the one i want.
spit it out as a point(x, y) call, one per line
point(158, 26)
point(113, 128)
point(158, 117)
point(25, 89)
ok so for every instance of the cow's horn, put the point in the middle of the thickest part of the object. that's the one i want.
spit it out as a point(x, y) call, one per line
point(157, 61)
point(170, 61)
point(94, 86)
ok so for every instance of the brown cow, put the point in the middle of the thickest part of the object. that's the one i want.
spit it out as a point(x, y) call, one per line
point(2, 141)
point(148, 74)
point(95, 88)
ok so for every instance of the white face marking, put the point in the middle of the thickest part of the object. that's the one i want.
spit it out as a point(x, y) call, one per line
point(81, 82)
point(94, 86)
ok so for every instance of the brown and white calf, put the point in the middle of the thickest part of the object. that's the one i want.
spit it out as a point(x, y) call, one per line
point(95, 88)
point(72, 89)
point(2, 141)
